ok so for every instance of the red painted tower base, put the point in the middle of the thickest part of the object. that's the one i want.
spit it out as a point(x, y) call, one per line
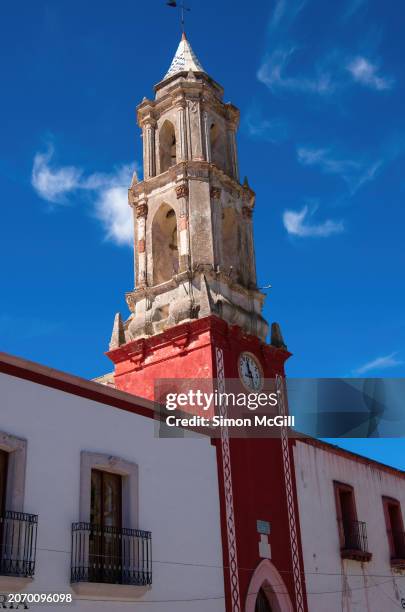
point(256, 478)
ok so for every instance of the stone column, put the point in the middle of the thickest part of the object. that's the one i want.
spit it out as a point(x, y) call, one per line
point(184, 239)
point(141, 214)
point(195, 130)
point(247, 213)
point(182, 129)
point(207, 136)
point(149, 149)
point(231, 130)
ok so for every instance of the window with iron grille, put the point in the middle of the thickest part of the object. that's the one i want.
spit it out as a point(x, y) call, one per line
point(107, 546)
point(352, 532)
point(18, 530)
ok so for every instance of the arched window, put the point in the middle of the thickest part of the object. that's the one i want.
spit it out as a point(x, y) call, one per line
point(164, 245)
point(217, 147)
point(262, 603)
point(167, 146)
point(267, 591)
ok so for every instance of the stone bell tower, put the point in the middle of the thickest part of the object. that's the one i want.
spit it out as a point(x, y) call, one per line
point(196, 312)
point(193, 242)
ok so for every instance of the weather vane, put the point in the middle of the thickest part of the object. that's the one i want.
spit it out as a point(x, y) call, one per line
point(183, 8)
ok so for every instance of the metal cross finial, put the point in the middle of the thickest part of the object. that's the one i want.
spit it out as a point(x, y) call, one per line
point(182, 7)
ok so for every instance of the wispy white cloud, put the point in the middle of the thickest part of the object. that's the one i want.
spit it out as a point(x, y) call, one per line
point(380, 363)
point(108, 192)
point(354, 172)
point(111, 206)
point(333, 73)
point(364, 72)
point(285, 11)
point(297, 223)
point(272, 130)
point(278, 13)
point(51, 183)
point(272, 73)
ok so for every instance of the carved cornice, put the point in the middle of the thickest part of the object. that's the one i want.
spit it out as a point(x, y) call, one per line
point(179, 93)
point(178, 101)
point(186, 80)
point(195, 169)
point(148, 122)
point(140, 293)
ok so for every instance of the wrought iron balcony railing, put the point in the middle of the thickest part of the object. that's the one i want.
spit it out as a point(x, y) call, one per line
point(353, 537)
point(18, 543)
point(111, 555)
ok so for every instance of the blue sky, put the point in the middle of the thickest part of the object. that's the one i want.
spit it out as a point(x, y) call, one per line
point(322, 140)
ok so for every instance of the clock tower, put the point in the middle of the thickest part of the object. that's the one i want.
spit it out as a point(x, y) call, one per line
point(195, 273)
point(196, 311)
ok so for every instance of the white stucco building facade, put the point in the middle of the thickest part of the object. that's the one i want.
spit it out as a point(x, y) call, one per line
point(59, 425)
point(341, 577)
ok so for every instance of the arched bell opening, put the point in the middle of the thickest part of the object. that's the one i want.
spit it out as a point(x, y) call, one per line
point(165, 254)
point(217, 147)
point(167, 146)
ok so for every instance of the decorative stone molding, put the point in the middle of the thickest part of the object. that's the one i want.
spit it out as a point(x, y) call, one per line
point(268, 578)
point(178, 101)
point(193, 106)
point(116, 465)
point(121, 592)
point(182, 191)
point(149, 121)
point(17, 457)
point(215, 193)
point(142, 210)
point(131, 302)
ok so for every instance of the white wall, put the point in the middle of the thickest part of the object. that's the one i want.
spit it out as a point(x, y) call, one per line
point(330, 582)
point(178, 493)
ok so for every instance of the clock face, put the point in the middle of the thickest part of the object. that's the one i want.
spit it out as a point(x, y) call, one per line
point(250, 372)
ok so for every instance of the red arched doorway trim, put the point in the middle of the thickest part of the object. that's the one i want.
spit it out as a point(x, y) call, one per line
point(266, 576)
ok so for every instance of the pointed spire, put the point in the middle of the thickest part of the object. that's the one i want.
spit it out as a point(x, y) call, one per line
point(184, 59)
point(118, 333)
point(277, 339)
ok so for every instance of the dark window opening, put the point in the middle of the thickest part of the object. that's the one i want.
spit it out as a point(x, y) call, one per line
point(18, 533)
point(3, 480)
point(395, 528)
point(105, 553)
point(217, 147)
point(262, 603)
point(167, 146)
point(352, 533)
